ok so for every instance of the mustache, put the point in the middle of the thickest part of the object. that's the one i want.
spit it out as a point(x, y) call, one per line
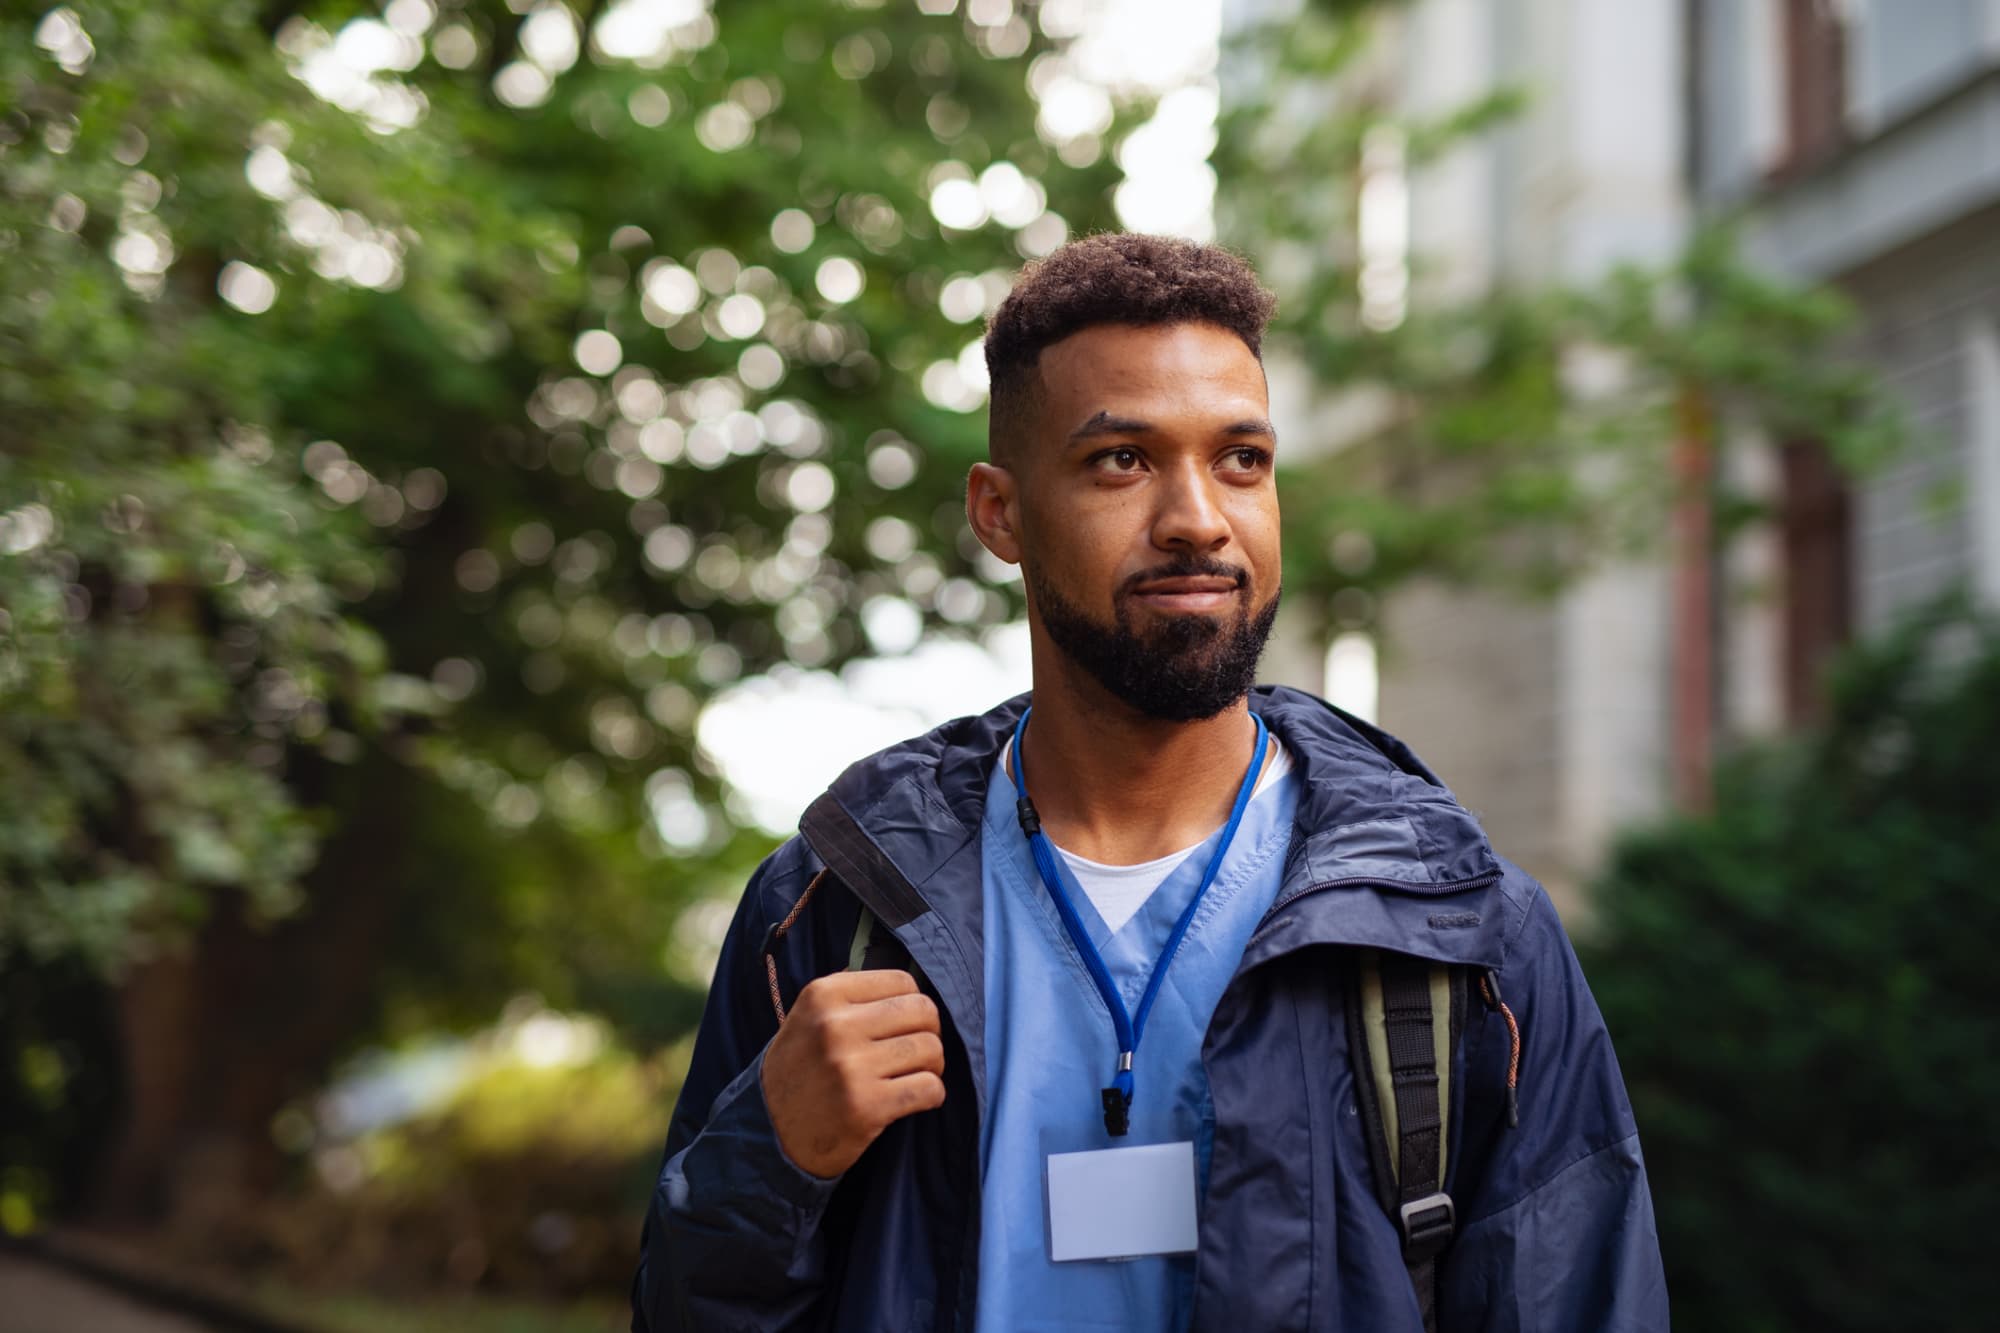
point(1186, 567)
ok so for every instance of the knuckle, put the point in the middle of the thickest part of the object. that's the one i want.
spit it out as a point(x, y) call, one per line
point(809, 1009)
point(923, 1093)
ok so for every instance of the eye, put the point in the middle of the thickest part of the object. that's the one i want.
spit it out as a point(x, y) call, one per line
point(1248, 458)
point(1117, 460)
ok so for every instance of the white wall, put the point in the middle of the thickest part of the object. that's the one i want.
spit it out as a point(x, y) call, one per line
point(1981, 331)
point(1550, 721)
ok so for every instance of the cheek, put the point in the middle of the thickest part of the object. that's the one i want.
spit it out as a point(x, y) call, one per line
point(1257, 532)
point(1082, 559)
point(1078, 540)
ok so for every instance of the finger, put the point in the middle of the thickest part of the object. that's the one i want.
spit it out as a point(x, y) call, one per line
point(894, 1016)
point(913, 1093)
point(838, 988)
point(913, 1053)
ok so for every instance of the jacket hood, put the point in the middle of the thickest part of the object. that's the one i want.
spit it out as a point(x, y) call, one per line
point(1370, 812)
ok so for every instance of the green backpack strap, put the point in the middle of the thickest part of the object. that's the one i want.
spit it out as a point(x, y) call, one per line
point(876, 946)
point(864, 935)
point(1403, 1020)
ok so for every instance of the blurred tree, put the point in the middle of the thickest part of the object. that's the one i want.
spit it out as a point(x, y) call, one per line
point(1800, 993)
point(1514, 437)
point(406, 417)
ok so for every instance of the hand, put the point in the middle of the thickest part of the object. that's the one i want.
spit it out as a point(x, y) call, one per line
point(858, 1052)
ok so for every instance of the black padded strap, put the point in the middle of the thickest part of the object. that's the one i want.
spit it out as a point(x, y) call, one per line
point(1410, 1028)
point(1423, 1277)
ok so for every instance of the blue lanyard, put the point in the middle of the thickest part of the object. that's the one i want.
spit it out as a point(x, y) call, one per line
point(1118, 1097)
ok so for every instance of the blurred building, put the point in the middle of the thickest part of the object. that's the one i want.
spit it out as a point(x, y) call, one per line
point(1863, 140)
point(1860, 140)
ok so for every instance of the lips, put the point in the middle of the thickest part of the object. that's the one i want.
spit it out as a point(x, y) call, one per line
point(1198, 592)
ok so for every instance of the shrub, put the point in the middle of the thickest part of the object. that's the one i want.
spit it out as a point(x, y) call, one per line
point(1801, 988)
point(529, 1182)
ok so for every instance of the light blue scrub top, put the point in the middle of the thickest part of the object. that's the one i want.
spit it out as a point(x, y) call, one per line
point(1050, 1048)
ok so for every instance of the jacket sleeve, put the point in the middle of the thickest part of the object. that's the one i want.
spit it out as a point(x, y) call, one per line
point(1556, 1231)
point(732, 1237)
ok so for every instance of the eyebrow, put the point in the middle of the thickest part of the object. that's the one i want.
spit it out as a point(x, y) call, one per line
point(1103, 423)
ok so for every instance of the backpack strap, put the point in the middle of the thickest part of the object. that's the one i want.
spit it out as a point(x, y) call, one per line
point(872, 946)
point(1404, 1016)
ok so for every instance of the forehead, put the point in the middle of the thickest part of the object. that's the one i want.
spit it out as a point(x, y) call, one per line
point(1155, 371)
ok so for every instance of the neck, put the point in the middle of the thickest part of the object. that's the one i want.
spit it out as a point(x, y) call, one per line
point(1115, 785)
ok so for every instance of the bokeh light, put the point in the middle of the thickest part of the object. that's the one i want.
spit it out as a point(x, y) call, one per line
point(839, 279)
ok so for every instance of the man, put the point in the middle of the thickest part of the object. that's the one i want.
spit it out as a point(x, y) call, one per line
point(1044, 1020)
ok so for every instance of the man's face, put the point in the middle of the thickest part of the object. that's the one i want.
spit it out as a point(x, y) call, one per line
point(1146, 513)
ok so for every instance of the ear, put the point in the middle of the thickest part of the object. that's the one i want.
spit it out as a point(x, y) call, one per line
point(992, 507)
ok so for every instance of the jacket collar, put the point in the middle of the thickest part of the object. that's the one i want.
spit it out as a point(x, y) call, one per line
point(1379, 840)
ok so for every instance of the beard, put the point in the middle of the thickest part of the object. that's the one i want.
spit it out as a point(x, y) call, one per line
point(1186, 668)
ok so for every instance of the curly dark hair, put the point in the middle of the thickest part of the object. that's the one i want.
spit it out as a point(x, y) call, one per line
point(1116, 278)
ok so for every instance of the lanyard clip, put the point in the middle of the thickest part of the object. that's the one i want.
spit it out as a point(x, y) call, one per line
point(1031, 822)
point(1117, 1112)
point(1118, 1098)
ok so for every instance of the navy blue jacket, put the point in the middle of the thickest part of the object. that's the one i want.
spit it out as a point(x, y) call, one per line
point(1555, 1224)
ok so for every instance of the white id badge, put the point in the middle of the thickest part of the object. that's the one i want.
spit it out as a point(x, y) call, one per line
point(1119, 1203)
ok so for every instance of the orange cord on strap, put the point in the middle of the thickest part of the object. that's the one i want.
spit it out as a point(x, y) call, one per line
point(776, 933)
point(1489, 992)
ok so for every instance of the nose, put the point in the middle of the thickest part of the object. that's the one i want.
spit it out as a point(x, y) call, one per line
point(1189, 517)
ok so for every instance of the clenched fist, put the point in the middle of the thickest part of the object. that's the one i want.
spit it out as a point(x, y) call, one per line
point(858, 1052)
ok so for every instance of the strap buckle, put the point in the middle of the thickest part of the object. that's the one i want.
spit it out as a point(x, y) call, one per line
point(1426, 1225)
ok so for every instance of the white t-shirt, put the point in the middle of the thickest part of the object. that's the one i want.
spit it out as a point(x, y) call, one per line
point(1119, 891)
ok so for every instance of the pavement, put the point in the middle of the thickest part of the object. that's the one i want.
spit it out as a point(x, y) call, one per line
point(37, 1297)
